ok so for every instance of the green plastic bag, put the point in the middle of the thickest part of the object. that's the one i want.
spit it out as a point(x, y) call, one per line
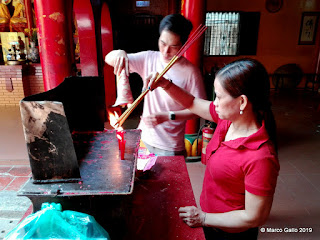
point(53, 223)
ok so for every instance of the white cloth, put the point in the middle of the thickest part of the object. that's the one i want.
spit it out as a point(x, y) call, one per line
point(168, 135)
point(124, 95)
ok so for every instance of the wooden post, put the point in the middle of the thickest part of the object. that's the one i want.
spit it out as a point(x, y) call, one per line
point(28, 8)
point(54, 41)
point(194, 10)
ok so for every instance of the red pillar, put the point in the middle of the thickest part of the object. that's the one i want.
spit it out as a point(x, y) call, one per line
point(69, 27)
point(28, 7)
point(107, 46)
point(195, 11)
point(54, 35)
point(87, 37)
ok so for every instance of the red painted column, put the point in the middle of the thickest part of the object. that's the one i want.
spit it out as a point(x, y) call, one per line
point(54, 41)
point(107, 46)
point(87, 37)
point(70, 27)
point(28, 8)
point(195, 11)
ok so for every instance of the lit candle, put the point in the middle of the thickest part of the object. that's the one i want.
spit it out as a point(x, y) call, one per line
point(119, 132)
point(121, 142)
point(123, 149)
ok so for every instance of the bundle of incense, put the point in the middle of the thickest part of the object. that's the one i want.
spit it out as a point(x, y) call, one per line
point(196, 34)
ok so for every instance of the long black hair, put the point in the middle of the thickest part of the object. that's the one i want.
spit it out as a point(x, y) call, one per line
point(249, 77)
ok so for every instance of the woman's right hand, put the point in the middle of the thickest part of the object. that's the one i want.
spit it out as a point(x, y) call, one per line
point(151, 83)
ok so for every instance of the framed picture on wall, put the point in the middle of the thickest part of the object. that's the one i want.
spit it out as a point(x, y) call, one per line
point(308, 28)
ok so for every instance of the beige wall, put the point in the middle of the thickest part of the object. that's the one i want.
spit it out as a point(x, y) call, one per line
point(11, 87)
point(25, 80)
point(278, 34)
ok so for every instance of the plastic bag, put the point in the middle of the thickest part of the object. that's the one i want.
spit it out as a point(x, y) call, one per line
point(53, 223)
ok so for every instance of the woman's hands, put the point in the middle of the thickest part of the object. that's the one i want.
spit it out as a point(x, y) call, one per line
point(192, 216)
point(152, 84)
point(255, 214)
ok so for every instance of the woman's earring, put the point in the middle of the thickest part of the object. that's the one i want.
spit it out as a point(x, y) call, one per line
point(241, 112)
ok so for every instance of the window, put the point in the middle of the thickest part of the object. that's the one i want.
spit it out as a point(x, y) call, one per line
point(231, 33)
point(221, 37)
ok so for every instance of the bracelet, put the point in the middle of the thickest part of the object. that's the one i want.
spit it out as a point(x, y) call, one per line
point(204, 220)
point(168, 85)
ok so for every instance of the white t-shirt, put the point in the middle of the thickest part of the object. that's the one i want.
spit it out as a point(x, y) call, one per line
point(168, 135)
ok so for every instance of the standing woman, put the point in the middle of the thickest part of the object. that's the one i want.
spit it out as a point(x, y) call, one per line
point(242, 163)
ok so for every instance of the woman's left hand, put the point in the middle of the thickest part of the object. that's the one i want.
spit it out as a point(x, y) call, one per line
point(192, 216)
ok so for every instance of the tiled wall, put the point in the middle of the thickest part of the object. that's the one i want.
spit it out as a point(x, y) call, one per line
point(19, 81)
point(11, 86)
point(32, 79)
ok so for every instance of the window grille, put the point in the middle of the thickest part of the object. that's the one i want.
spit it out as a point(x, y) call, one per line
point(222, 35)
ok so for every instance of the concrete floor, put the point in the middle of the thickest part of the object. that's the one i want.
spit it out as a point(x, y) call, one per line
point(14, 169)
point(296, 204)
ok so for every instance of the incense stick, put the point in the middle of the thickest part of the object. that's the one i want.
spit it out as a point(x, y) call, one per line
point(126, 114)
point(194, 36)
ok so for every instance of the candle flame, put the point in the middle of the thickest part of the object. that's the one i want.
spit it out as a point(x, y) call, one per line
point(113, 118)
point(119, 136)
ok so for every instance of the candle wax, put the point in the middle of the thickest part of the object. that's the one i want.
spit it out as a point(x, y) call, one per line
point(121, 142)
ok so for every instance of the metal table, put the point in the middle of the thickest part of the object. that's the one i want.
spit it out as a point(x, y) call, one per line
point(101, 169)
point(147, 211)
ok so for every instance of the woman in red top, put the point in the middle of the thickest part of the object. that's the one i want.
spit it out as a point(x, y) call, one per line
point(242, 164)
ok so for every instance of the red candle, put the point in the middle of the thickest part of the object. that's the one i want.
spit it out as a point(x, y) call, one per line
point(123, 149)
point(121, 142)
